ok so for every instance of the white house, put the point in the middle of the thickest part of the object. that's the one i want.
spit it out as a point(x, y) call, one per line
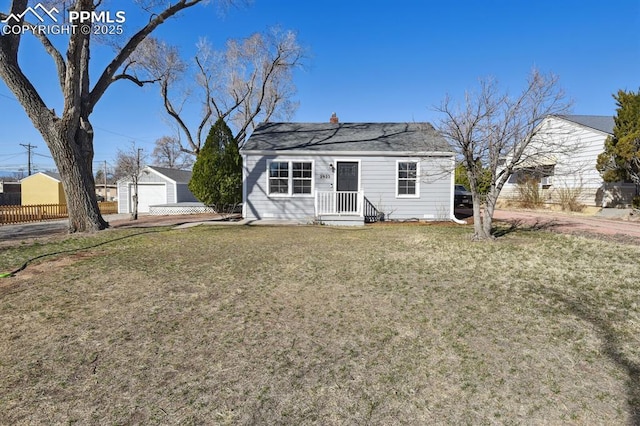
point(157, 186)
point(347, 173)
point(570, 163)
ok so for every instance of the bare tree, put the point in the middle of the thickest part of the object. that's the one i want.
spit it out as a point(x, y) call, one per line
point(250, 82)
point(494, 131)
point(69, 134)
point(169, 153)
point(128, 165)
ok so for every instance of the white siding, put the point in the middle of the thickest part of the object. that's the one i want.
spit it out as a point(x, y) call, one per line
point(377, 180)
point(124, 203)
point(575, 149)
point(123, 197)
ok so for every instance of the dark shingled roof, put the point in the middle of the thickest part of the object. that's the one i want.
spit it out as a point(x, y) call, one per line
point(603, 123)
point(364, 137)
point(53, 175)
point(179, 176)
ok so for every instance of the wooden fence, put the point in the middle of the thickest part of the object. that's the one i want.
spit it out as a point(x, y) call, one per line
point(41, 212)
point(108, 207)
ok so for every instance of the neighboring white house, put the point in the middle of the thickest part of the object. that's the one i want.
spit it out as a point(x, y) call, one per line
point(572, 165)
point(347, 173)
point(157, 186)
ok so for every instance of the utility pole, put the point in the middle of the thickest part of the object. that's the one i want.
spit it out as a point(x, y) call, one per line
point(134, 216)
point(105, 180)
point(29, 148)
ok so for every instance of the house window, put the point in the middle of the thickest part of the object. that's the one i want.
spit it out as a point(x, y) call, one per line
point(290, 177)
point(542, 175)
point(301, 172)
point(407, 179)
point(279, 177)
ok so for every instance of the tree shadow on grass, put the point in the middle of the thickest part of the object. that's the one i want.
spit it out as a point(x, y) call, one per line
point(611, 346)
point(506, 227)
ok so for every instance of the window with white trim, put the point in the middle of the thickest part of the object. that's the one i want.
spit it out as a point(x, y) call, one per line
point(290, 178)
point(279, 177)
point(407, 182)
point(301, 177)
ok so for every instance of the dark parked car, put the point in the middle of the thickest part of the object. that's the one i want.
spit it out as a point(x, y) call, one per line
point(462, 197)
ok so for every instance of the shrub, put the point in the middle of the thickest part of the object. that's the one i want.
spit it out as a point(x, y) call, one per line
point(569, 199)
point(529, 194)
point(635, 203)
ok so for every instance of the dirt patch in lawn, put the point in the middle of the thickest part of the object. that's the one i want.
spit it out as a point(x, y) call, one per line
point(40, 270)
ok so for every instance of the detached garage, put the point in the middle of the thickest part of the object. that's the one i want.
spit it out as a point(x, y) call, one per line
point(156, 186)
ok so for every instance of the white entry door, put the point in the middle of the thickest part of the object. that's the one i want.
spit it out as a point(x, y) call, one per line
point(149, 195)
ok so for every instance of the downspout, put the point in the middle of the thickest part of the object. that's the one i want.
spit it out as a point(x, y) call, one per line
point(244, 186)
point(453, 194)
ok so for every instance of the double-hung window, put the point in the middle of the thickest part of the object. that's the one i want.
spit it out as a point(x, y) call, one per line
point(301, 177)
point(407, 179)
point(279, 177)
point(290, 178)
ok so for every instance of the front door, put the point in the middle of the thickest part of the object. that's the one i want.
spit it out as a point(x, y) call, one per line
point(347, 186)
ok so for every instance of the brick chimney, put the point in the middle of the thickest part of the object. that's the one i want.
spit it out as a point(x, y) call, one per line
point(334, 119)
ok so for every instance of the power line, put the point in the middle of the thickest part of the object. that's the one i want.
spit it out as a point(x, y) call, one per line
point(11, 158)
point(9, 97)
point(43, 155)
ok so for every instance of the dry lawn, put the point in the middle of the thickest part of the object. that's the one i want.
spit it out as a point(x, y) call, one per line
point(317, 325)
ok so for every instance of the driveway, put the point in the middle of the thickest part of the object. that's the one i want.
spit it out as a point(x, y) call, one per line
point(25, 231)
point(618, 229)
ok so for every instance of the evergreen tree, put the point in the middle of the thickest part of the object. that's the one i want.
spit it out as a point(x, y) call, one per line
point(462, 178)
point(217, 173)
point(621, 157)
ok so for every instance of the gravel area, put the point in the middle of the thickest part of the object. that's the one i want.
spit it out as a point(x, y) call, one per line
point(626, 227)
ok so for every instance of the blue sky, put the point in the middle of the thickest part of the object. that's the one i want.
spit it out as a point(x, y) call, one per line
point(369, 61)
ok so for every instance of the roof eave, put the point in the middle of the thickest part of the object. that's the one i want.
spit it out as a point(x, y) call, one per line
point(350, 153)
point(157, 172)
point(568, 120)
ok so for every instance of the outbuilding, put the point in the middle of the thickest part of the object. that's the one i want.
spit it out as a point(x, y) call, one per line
point(156, 186)
point(42, 188)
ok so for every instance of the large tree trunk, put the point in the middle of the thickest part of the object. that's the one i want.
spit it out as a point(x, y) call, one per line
point(483, 220)
point(477, 219)
point(69, 135)
point(489, 209)
point(74, 160)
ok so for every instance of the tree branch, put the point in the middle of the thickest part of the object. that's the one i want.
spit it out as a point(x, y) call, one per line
point(15, 79)
point(134, 79)
point(76, 73)
point(173, 113)
point(11, 42)
point(208, 110)
point(107, 75)
point(55, 54)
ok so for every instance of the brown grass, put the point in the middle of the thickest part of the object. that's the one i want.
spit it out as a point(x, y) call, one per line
point(317, 325)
